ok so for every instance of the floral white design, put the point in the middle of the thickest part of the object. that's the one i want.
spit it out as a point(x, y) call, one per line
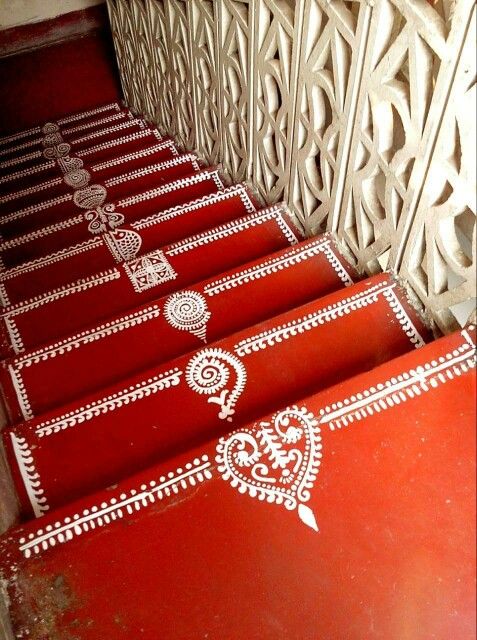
point(208, 373)
point(124, 244)
point(277, 461)
point(187, 311)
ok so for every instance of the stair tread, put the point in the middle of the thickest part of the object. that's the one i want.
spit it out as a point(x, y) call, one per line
point(165, 328)
point(81, 117)
point(391, 451)
point(166, 408)
point(39, 191)
point(68, 222)
point(71, 307)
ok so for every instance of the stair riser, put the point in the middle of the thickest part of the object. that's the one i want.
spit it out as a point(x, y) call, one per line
point(46, 212)
point(78, 139)
point(167, 409)
point(154, 333)
point(76, 228)
point(71, 309)
point(36, 162)
point(27, 195)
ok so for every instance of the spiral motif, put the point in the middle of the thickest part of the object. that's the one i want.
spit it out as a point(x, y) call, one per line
point(77, 178)
point(52, 139)
point(206, 374)
point(186, 310)
point(50, 127)
point(60, 151)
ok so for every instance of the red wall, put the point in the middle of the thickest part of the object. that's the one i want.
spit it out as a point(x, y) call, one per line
point(52, 68)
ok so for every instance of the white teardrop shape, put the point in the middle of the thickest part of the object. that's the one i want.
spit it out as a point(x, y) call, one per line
point(307, 516)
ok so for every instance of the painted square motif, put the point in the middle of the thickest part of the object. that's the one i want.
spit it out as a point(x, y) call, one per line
point(149, 271)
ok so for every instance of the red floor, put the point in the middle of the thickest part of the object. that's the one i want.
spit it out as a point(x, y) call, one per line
point(83, 68)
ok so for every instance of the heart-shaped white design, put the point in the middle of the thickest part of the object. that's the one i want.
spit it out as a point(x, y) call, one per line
point(276, 461)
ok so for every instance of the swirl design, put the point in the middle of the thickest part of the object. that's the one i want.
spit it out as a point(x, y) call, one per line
point(208, 373)
point(77, 178)
point(187, 311)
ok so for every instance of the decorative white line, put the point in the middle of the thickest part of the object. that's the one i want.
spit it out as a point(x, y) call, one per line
point(21, 393)
point(268, 267)
point(28, 172)
point(110, 144)
point(129, 124)
point(14, 334)
point(173, 186)
point(193, 473)
point(36, 208)
point(87, 337)
point(227, 229)
point(404, 320)
point(61, 292)
point(4, 297)
point(163, 216)
point(129, 395)
point(44, 261)
point(143, 153)
point(122, 115)
point(15, 195)
point(19, 147)
point(154, 168)
point(31, 479)
point(21, 134)
point(399, 389)
point(269, 338)
point(87, 114)
point(40, 233)
point(20, 160)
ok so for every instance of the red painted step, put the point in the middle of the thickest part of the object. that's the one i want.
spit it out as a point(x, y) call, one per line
point(47, 212)
point(52, 133)
point(43, 161)
point(81, 119)
point(38, 191)
point(97, 213)
point(350, 515)
point(124, 244)
point(77, 139)
point(70, 308)
point(172, 406)
point(40, 380)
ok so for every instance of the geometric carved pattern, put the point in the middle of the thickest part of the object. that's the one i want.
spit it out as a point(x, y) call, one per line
point(357, 113)
point(235, 42)
point(206, 79)
point(274, 70)
point(440, 254)
point(327, 64)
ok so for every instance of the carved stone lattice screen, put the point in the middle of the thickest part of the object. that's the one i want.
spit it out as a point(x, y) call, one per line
point(359, 114)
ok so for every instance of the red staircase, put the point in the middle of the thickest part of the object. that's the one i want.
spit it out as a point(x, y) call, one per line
point(216, 428)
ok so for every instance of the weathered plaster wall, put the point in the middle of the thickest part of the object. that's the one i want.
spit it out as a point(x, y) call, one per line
point(14, 13)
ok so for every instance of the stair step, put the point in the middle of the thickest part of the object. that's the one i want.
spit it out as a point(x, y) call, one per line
point(42, 160)
point(173, 185)
point(103, 128)
point(61, 208)
point(371, 502)
point(78, 140)
point(161, 272)
point(82, 118)
point(40, 380)
point(123, 244)
point(197, 396)
point(37, 191)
